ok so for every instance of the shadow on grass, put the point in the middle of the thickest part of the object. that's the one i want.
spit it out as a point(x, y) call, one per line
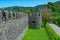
point(33, 27)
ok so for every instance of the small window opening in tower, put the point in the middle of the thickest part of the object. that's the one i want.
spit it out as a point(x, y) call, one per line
point(39, 14)
point(33, 21)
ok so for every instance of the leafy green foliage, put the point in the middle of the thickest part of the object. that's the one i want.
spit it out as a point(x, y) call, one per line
point(53, 6)
point(46, 14)
point(31, 11)
point(57, 22)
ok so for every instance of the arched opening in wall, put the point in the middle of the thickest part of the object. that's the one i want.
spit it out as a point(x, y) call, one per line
point(33, 22)
point(39, 14)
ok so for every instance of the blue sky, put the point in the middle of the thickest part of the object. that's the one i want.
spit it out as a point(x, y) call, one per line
point(26, 3)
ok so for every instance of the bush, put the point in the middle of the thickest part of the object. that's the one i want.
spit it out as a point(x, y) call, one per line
point(52, 32)
point(58, 21)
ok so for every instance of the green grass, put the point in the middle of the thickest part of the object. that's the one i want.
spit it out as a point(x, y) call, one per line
point(36, 34)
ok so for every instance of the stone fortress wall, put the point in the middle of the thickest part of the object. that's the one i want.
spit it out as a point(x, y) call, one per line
point(12, 25)
point(35, 20)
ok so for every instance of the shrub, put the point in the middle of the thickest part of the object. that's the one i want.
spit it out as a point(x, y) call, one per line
point(58, 21)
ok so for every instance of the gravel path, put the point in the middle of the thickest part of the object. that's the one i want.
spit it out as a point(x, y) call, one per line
point(56, 28)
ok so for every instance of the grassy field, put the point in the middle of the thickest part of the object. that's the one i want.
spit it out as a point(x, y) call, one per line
point(36, 34)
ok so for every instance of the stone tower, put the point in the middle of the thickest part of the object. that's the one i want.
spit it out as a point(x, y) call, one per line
point(34, 20)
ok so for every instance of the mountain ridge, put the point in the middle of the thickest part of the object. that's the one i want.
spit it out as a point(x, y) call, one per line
point(22, 9)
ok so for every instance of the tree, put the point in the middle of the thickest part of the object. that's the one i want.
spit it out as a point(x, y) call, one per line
point(30, 11)
point(52, 6)
point(58, 21)
point(46, 15)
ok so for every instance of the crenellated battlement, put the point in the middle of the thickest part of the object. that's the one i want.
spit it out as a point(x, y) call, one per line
point(7, 15)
